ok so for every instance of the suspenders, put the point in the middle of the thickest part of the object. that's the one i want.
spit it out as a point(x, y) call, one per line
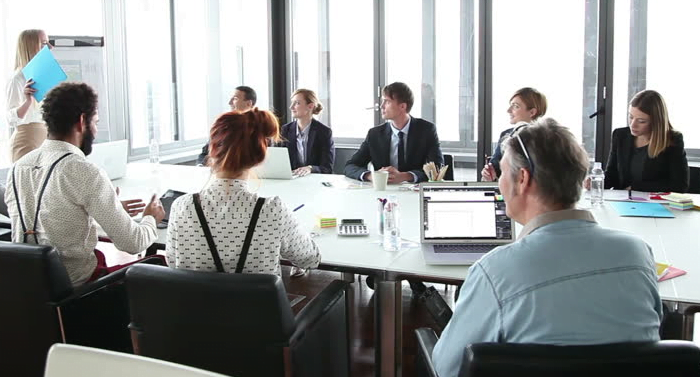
point(210, 239)
point(26, 232)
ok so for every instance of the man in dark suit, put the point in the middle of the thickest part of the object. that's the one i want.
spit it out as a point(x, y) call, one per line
point(400, 146)
point(243, 99)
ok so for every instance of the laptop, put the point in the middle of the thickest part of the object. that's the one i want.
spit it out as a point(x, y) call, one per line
point(111, 157)
point(462, 221)
point(276, 165)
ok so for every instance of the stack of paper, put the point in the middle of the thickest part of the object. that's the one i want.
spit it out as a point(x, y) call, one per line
point(679, 201)
point(326, 222)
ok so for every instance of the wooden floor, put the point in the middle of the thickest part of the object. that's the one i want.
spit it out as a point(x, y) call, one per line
point(415, 314)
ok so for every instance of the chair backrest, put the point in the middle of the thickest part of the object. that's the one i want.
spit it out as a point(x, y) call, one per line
point(66, 360)
point(694, 180)
point(449, 161)
point(31, 277)
point(342, 155)
point(668, 357)
point(235, 324)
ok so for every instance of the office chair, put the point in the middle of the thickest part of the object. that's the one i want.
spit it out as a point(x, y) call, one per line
point(667, 357)
point(236, 324)
point(41, 307)
point(694, 180)
point(450, 173)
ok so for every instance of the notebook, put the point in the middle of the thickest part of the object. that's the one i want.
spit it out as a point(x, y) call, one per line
point(641, 209)
point(276, 165)
point(462, 221)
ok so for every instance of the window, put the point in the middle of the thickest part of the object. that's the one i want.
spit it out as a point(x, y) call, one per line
point(552, 46)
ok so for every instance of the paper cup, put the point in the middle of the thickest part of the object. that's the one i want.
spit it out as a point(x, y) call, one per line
point(379, 179)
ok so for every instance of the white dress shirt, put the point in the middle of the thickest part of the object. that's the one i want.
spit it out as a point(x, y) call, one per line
point(228, 206)
point(15, 99)
point(302, 142)
point(78, 196)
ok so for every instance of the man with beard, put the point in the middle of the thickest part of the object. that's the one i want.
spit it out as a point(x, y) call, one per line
point(56, 197)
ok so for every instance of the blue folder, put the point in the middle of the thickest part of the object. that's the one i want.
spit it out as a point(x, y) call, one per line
point(641, 209)
point(45, 72)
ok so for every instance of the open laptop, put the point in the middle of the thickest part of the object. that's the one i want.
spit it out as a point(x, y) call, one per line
point(111, 156)
point(462, 221)
point(276, 165)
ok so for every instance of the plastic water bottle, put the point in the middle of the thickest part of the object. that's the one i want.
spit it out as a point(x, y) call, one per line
point(392, 233)
point(154, 151)
point(597, 183)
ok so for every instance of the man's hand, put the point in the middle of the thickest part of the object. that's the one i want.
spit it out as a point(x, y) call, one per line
point(488, 173)
point(132, 206)
point(155, 209)
point(302, 171)
point(395, 176)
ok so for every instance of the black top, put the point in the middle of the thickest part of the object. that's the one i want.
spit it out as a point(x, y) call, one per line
point(666, 172)
point(639, 155)
point(320, 149)
point(497, 153)
point(422, 146)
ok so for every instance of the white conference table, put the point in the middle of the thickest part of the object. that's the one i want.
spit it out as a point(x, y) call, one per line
point(675, 241)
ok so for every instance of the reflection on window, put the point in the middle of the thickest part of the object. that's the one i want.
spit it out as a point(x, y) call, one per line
point(149, 71)
point(533, 48)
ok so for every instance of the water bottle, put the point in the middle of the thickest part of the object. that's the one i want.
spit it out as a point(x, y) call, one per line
point(154, 151)
point(392, 234)
point(597, 183)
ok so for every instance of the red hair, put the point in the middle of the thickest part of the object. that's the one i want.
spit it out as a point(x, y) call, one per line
point(238, 140)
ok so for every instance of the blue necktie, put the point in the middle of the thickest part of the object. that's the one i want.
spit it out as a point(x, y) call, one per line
point(402, 162)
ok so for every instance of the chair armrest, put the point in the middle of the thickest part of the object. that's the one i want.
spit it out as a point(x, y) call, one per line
point(426, 340)
point(318, 307)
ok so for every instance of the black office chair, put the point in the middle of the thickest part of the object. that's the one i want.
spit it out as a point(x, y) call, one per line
point(342, 155)
point(236, 324)
point(450, 173)
point(39, 307)
point(694, 180)
point(664, 358)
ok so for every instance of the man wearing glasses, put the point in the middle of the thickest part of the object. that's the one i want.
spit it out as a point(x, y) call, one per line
point(566, 280)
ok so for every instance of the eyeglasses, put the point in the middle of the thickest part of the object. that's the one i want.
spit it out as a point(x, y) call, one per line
point(522, 145)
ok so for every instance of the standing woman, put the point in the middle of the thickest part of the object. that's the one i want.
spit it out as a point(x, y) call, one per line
point(649, 155)
point(308, 141)
point(23, 112)
point(526, 105)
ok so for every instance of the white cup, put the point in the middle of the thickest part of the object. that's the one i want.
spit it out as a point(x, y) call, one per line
point(379, 179)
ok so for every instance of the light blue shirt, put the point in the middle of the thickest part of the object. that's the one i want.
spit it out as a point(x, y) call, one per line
point(302, 142)
point(566, 281)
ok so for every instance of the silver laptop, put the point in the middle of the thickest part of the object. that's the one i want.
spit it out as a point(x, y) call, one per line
point(276, 165)
point(462, 221)
point(111, 156)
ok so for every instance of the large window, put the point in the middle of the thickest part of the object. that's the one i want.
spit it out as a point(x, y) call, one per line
point(534, 48)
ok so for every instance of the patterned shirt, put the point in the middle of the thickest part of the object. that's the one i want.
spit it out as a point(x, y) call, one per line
point(78, 196)
point(228, 206)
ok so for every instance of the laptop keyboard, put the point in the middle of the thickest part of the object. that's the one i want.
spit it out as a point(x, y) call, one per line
point(471, 248)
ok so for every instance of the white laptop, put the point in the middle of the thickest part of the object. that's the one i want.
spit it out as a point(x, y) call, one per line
point(111, 156)
point(276, 165)
point(462, 221)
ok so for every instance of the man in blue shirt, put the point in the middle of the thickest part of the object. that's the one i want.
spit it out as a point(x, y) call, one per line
point(566, 280)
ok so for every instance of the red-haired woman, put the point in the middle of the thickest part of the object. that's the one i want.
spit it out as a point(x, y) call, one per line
point(223, 214)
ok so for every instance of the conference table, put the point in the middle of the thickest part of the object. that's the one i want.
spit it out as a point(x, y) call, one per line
point(675, 241)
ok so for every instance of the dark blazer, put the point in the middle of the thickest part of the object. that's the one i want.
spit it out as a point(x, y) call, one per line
point(320, 149)
point(497, 153)
point(202, 158)
point(667, 172)
point(422, 145)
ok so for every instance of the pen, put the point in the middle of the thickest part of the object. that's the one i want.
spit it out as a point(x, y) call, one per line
point(629, 194)
point(487, 158)
point(295, 209)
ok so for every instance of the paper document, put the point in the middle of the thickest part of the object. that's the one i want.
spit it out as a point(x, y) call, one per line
point(641, 209)
point(45, 72)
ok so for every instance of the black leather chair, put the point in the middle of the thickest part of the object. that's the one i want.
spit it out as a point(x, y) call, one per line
point(236, 324)
point(450, 173)
point(664, 358)
point(40, 307)
point(694, 180)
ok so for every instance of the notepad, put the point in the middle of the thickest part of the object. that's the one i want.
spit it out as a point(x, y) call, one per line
point(45, 71)
point(641, 209)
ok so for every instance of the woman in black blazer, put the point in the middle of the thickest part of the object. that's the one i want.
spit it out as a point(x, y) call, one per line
point(649, 155)
point(309, 142)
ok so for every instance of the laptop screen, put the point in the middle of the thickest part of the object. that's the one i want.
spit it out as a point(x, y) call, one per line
point(465, 213)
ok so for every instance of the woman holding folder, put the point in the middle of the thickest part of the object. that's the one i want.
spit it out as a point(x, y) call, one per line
point(23, 112)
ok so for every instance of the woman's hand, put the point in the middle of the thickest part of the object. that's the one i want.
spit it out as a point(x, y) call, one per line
point(488, 173)
point(28, 90)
